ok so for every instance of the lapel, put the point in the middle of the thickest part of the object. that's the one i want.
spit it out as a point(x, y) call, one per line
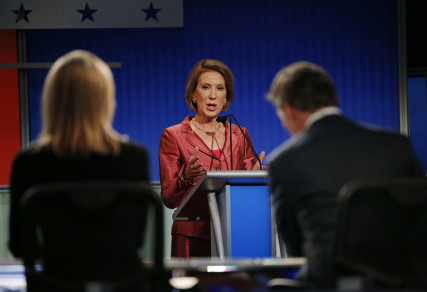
point(193, 139)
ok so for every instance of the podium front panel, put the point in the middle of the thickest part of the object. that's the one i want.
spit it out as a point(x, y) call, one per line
point(250, 222)
point(245, 214)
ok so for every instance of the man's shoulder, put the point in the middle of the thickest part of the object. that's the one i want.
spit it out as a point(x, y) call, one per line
point(272, 156)
point(374, 132)
point(345, 125)
point(287, 149)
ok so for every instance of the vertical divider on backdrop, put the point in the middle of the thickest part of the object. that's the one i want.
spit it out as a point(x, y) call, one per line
point(10, 128)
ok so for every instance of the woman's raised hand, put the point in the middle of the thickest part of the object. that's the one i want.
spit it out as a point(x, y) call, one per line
point(194, 168)
point(261, 157)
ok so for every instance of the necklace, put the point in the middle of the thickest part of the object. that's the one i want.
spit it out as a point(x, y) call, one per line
point(207, 132)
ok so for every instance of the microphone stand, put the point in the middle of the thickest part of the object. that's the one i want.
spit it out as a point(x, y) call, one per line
point(224, 118)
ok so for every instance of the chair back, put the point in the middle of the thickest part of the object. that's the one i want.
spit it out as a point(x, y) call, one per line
point(79, 234)
point(381, 232)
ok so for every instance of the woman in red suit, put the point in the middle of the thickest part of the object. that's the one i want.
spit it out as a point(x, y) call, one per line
point(198, 144)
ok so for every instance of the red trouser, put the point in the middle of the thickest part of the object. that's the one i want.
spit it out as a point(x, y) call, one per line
point(187, 246)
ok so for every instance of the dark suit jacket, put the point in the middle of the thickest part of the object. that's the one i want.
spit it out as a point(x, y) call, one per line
point(40, 165)
point(176, 146)
point(307, 172)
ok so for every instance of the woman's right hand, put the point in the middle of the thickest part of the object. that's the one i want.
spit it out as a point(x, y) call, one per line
point(194, 168)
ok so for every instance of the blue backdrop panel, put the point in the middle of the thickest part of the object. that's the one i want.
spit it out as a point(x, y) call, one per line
point(355, 40)
point(417, 108)
point(250, 229)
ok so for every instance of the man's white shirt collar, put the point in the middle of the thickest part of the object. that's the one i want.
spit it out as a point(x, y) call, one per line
point(326, 111)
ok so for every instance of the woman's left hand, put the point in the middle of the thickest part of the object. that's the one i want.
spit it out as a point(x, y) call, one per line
point(261, 157)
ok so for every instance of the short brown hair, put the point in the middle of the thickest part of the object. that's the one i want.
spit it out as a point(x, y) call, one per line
point(78, 104)
point(203, 66)
point(303, 85)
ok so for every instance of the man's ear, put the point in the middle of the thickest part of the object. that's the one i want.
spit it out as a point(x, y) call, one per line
point(288, 109)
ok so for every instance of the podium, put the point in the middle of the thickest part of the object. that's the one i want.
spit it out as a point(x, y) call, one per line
point(238, 205)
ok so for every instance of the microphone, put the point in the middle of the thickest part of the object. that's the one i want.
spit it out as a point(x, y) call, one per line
point(222, 120)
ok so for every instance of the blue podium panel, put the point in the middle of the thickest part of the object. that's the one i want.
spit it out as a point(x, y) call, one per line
point(250, 221)
point(238, 205)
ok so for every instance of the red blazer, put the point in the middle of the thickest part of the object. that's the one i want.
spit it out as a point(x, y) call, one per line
point(177, 143)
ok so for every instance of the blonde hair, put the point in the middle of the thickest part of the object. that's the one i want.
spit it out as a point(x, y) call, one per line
point(203, 66)
point(78, 104)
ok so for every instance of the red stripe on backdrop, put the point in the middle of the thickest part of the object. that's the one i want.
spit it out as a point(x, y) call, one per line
point(10, 128)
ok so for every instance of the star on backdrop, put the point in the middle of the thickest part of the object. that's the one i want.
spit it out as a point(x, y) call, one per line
point(83, 14)
point(87, 13)
point(22, 13)
point(151, 12)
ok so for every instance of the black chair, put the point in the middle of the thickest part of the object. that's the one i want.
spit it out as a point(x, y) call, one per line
point(381, 234)
point(86, 236)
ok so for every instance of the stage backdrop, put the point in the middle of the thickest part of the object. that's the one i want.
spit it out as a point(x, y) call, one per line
point(355, 40)
point(417, 106)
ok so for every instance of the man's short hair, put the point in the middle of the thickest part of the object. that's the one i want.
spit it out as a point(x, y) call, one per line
point(303, 85)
